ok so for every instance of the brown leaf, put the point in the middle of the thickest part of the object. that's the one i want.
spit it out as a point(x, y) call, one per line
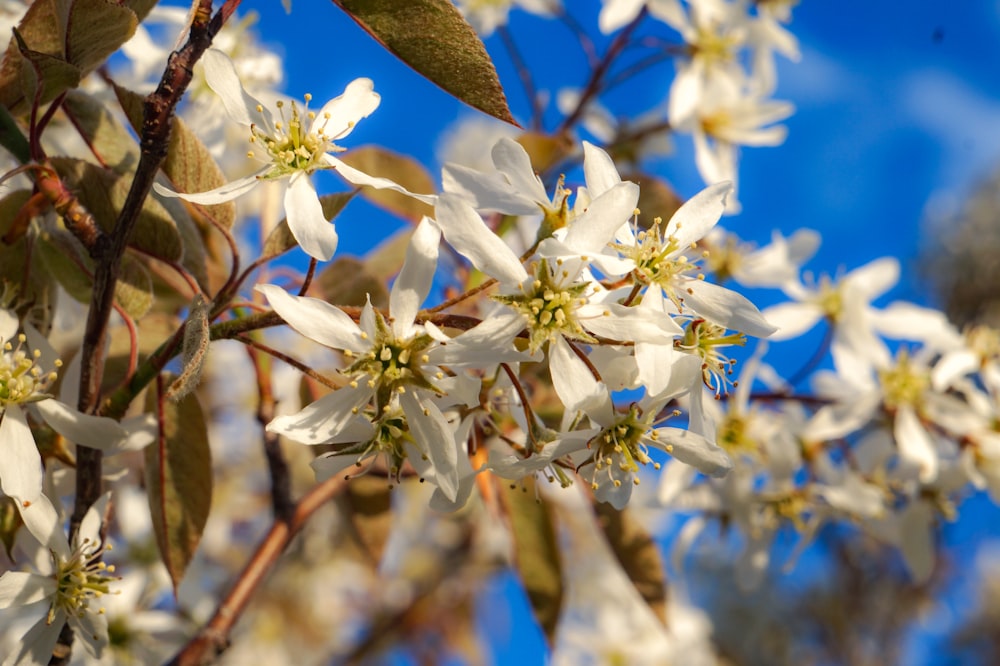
point(432, 37)
point(638, 554)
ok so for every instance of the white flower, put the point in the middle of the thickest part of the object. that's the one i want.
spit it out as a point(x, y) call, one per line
point(394, 371)
point(64, 592)
point(23, 391)
point(616, 14)
point(487, 15)
point(292, 148)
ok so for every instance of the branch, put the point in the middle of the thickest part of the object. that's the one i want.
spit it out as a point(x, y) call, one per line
point(212, 640)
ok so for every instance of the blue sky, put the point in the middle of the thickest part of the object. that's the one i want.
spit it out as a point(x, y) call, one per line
point(898, 113)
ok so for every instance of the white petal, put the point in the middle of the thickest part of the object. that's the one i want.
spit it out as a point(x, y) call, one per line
point(620, 322)
point(468, 234)
point(915, 445)
point(92, 628)
point(414, 281)
point(486, 191)
point(699, 214)
point(90, 527)
point(356, 177)
point(875, 278)
point(594, 229)
point(436, 439)
point(221, 76)
point(728, 308)
point(511, 159)
point(315, 319)
point(221, 194)
point(37, 645)
point(19, 588)
point(21, 475)
point(41, 519)
point(694, 450)
point(574, 383)
point(599, 170)
point(358, 101)
point(315, 234)
point(792, 319)
point(617, 14)
point(323, 420)
point(8, 325)
point(97, 432)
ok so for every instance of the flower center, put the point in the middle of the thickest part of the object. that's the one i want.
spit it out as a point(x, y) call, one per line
point(659, 262)
point(392, 363)
point(21, 380)
point(81, 578)
point(391, 433)
point(549, 304)
point(620, 446)
point(903, 384)
point(293, 147)
point(705, 339)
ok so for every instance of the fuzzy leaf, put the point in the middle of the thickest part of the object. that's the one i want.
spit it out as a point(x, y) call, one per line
point(178, 480)
point(280, 240)
point(189, 164)
point(367, 504)
point(346, 281)
point(432, 37)
point(63, 260)
point(109, 139)
point(103, 193)
point(638, 554)
point(134, 290)
point(95, 29)
point(400, 169)
point(536, 554)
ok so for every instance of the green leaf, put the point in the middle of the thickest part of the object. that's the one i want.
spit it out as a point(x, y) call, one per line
point(367, 505)
point(189, 164)
point(536, 554)
point(95, 29)
point(134, 289)
point(63, 260)
point(281, 240)
point(109, 139)
point(385, 259)
point(12, 138)
point(432, 37)
point(638, 554)
point(102, 192)
point(346, 281)
point(178, 477)
point(40, 70)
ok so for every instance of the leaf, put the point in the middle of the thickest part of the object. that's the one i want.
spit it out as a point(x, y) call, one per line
point(545, 151)
point(656, 198)
point(432, 37)
point(402, 170)
point(638, 554)
point(103, 193)
point(280, 240)
point(40, 70)
point(178, 477)
point(95, 29)
point(189, 164)
point(63, 260)
point(109, 139)
point(385, 260)
point(536, 554)
point(134, 289)
point(346, 281)
point(367, 504)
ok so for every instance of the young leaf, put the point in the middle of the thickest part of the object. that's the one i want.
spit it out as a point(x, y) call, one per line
point(178, 476)
point(400, 169)
point(638, 554)
point(95, 29)
point(367, 504)
point(536, 554)
point(134, 289)
point(109, 140)
point(432, 37)
point(346, 282)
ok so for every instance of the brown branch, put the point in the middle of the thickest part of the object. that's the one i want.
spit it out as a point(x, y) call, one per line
point(277, 466)
point(212, 640)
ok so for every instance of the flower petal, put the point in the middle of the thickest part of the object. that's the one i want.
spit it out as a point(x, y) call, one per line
point(37, 645)
point(599, 170)
point(699, 214)
point(512, 160)
point(593, 230)
point(356, 177)
point(414, 281)
point(695, 450)
point(468, 234)
point(323, 420)
point(21, 477)
point(314, 233)
point(221, 194)
point(20, 588)
point(727, 308)
point(221, 76)
point(98, 432)
point(315, 319)
point(339, 116)
point(436, 439)
point(42, 520)
point(571, 378)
